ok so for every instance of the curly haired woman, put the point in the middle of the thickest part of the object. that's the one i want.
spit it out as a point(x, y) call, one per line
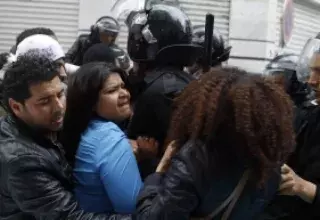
point(232, 132)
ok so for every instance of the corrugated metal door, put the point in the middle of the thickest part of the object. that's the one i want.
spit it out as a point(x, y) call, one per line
point(123, 35)
point(196, 10)
point(306, 24)
point(59, 15)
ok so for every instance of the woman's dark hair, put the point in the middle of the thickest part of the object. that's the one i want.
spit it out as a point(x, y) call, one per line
point(83, 93)
point(240, 117)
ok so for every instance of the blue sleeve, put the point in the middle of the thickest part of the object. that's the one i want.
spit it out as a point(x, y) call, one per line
point(119, 171)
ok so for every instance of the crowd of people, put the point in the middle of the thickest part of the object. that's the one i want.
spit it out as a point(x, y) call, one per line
point(103, 134)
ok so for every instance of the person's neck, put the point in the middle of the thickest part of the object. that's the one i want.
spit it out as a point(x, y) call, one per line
point(34, 130)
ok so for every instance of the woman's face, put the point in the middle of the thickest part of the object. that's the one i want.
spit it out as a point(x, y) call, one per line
point(114, 100)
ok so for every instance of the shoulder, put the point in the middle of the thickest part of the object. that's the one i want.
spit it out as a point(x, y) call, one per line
point(194, 158)
point(313, 118)
point(193, 149)
point(106, 135)
point(113, 144)
point(101, 130)
point(100, 138)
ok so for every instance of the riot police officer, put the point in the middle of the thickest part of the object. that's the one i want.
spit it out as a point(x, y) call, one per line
point(159, 42)
point(220, 51)
point(305, 160)
point(283, 69)
point(105, 30)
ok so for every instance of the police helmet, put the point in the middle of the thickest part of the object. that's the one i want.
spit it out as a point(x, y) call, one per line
point(162, 34)
point(106, 24)
point(220, 52)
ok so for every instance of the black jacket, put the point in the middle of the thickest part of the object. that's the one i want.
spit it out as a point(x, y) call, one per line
point(76, 52)
point(152, 107)
point(305, 161)
point(35, 178)
point(192, 188)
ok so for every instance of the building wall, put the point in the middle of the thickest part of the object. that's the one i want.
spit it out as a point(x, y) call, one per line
point(306, 23)
point(253, 29)
point(17, 15)
point(252, 33)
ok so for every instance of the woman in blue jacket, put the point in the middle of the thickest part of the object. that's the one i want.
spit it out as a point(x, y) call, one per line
point(105, 168)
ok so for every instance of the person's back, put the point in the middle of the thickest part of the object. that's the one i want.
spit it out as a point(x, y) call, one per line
point(213, 188)
point(230, 134)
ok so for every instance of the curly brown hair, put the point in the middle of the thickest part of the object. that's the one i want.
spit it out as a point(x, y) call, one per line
point(244, 114)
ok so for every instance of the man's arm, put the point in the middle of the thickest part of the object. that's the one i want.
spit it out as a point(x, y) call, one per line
point(37, 192)
point(73, 52)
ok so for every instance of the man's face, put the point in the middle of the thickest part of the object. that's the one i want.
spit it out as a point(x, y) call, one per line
point(45, 108)
point(314, 79)
point(62, 70)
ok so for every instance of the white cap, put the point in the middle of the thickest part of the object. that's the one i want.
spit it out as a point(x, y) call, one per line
point(43, 43)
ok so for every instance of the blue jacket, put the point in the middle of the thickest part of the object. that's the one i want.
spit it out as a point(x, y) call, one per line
point(106, 171)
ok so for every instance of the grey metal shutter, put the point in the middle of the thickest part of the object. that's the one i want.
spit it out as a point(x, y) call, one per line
point(197, 11)
point(306, 24)
point(59, 15)
point(123, 35)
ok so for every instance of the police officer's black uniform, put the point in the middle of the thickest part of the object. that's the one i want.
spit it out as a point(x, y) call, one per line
point(105, 24)
point(159, 38)
point(305, 160)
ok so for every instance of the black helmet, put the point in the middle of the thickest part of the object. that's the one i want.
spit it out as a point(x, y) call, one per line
point(162, 34)
point(106, 24)
point(109, 54)
point(220, 52)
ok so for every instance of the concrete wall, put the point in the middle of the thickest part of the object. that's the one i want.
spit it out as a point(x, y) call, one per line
point(252, 33)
